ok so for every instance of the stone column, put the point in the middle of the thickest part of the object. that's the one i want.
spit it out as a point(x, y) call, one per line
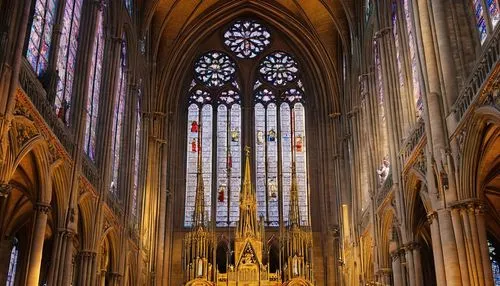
point(461, 249)
point(61, 266)
point(87, 259)
point(397, 274)
point(37, 240)
point(483, 244)
point(437, 249)
point(114, 279)
point(449, 248)
point(417, 264)
point(410, 264)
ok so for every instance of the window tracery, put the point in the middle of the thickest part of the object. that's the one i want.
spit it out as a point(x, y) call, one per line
point(247, 38)
point(11, 274)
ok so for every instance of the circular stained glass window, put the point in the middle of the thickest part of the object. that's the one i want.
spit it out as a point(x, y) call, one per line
point(214, 69)
point(279, 68)
point(247, 38)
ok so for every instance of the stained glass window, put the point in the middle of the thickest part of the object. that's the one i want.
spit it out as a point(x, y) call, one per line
point(214, 69)
point(67, 57)
point(137, 153)
point(395, 33)
point(214, 102)
point(118, 115)
point(247, 38)
point(92, 108)
point(417, 91)
point(279, 124)
point(40, 38)
point(11, 274)
point(279, 69)
point(128, 5)
point(495, 262)
point(493, 11)
point(480, 21)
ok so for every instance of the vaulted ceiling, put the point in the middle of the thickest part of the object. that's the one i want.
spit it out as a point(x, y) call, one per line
point(176, 26)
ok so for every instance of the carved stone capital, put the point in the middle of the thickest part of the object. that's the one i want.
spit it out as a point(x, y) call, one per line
point(42, 208)
point(5, 190)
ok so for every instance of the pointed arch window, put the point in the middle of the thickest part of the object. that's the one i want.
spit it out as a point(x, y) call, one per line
point(11, 274)
point(417, 90)
point(214, 106)
point(40, 35)
point(137, 151)
point(397, 44)
point(94, 88)
point(119, 115)
point(66, 58)
point(484, 10)
point(275, 125)
point(279, 106)
point(129, 6)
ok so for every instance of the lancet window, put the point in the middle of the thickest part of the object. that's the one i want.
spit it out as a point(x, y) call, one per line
point(119, 115)
point(486, 13)
point(66, 58)
point(94, 88)
point(40, 39)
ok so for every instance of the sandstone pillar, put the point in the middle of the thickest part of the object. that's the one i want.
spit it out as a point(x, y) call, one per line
point(37, 240)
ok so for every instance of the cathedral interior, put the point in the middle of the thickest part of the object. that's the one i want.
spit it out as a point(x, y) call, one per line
point(250, 142)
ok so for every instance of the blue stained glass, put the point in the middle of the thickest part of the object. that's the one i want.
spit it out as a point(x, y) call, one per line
point(11, 274)
point(41, 35)
point(493, 11)
point(92, 108)
point(480, 22)
point(118, 116)
point(66, 58)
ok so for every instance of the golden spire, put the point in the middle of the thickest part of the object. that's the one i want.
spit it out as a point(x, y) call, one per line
point(248, 226)
point(294, 212)
point(199, 204)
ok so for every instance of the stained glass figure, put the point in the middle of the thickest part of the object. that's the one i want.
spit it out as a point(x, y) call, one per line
point(66, 58)
point(215, 69)
point(480, 21)
point(40, 38)
point(247, 38)
point(119, 114)
point(279, 69)
point(92, 108)
point(194, 126)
